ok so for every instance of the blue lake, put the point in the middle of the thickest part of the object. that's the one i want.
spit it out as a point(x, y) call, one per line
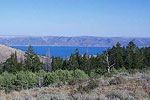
point(62, 51)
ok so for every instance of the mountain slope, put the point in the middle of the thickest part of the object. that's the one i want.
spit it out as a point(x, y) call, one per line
point(73, 41)
point(6, 51)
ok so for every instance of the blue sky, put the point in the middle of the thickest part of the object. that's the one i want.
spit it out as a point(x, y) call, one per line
point(110, 18)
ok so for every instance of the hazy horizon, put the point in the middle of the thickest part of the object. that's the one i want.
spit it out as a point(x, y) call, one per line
point(72, 36)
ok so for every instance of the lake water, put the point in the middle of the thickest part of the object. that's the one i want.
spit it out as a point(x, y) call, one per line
point(62, 51)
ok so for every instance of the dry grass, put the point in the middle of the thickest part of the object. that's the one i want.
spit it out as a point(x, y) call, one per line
point(134, 88)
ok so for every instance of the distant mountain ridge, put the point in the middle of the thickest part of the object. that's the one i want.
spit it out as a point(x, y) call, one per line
point(81, 41)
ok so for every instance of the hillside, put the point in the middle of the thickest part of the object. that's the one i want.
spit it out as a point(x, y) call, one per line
point(121, 86)
point(73, 41)
point(6, 51)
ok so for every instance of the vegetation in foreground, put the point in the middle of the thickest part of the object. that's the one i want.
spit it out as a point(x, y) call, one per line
point(119, 86)
point(75, 77)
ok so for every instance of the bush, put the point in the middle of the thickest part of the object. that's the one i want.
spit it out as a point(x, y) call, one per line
point(120, 95)
point(1, 82)
point(101, 71)
point(64, 75)
point(41, 73)
point(89, 87)
point(56, 96)
point(123, 69)
point(51, 78)
point(8, 82)
point(32, 79)
point(21, 81)
point(116, 80)
point(114, 71)
point(40, 77)
point(79, 74)
point(146, 87)
point(25, 80)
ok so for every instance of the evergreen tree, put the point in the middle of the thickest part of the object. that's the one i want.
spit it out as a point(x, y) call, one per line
point(86, 64)
point(57, 63)
point(32, 61)
point(12, 65)
point(66, 64)
point(147, 56)
point(73, 63)
point(138, 61)
point(129, 55)
point(118, 56)
point(134, 58)
point(99, 64)
point(78, 58)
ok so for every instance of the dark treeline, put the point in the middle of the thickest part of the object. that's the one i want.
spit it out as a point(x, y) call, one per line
point(118, 57)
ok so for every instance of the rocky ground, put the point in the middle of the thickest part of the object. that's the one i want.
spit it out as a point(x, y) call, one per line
point(116, 87)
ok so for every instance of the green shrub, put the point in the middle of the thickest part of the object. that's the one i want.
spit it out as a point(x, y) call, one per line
point(64, 75)
point(25, 80)
point(50, 78)
point(123, 69)
point(40, 78)
point(21, 81)
point(114, 71)
point(31, 79)
point(79, 74)
point(1, 82)
point(41, 73)
point(101, 71)
point(92, 84)
point(8, 82)
point(92, 74)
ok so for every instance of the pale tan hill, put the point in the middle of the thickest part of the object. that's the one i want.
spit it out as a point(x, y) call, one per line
point(6, 51)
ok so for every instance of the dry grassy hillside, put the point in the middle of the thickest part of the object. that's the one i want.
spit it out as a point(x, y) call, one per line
point(121, 86)
point(6, 51)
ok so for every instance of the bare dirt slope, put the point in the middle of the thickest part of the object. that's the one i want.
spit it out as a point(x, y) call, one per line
point(6, 51)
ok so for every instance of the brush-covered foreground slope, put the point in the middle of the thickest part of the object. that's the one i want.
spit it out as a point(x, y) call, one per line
point(6, 51)
point(73, 41)
point(117, 87)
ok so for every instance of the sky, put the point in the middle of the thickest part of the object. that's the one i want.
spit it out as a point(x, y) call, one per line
point(103, 18)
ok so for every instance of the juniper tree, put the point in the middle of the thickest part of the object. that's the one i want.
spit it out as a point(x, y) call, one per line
point(73, 63)
point(32, 61)
point(12, 65)
point(57, 63)
point(118, 54)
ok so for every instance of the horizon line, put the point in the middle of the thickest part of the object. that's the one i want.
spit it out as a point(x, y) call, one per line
point(71, 36)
